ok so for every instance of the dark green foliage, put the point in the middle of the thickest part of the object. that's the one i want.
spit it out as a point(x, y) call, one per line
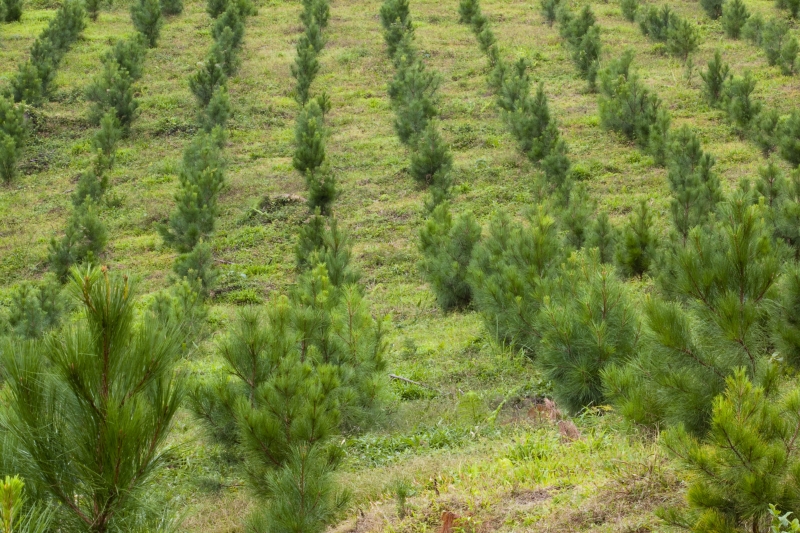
point(529, 120)
point(432, 161)
point(629, 9)
point(46, 59)
point(35, 309)
point(316, 12)
point(658, 137)
point(413, 91)
point(8, 158)
point(787, 320)
point(793, 6)
point(637, 243)
point(682, 38)
point(713, 7)
point(626, 105)
point(787, 60)
point(215, 8)
point(92, 8)
point(789, 139)
point(230, 18)
point(723, 283)
point(304, 70)
point(753, 28)
point(577, 216)
point(515, 88)
point(83, 242)
point(655, 23)
point(582, 36)
point(782, 197)
point(321, 187)
point(217, 112)
point(104, 143)
point(322, 242)
point(586, 326)
point(197, 268)
point(694, 186)
point(486, 39)
point(446, 247)
point(603, 237)
point(112, 91)
point(468, 9)
point(225, 53)
point(172, 7)
point(734, 17)
point(109, 399)
point(65, 28)
point(315, 38)
point(201, 179)
point(91, 187)
point(742, 108)
point(11, 10)
point(715, 79)
point(13, 132)
point(294, 380)
point(26, 86)
point(210, 76)
point(129, 54)
point(397, 26)
point(309, 138)
point(549, 10)
point(766, 132)
point(748, 461)
point(510, 272)
point(147, 19)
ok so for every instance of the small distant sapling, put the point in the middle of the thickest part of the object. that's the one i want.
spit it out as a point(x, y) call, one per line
point(129, 54)
point(8, 158)
point(197, 267)
point(468, 9)
point(715, 79)
point(207, 79)
point(713, 7)
point(104, 142)
point(112, 90)
point(789, 139)
point(321, 187)
point(172, 7)
point(603, 237)
point(636, 246)
point(734, 17)
point(217, 112)
point(432, 161)
point(742, 107)
point(11, 10)
point(549, 10)
point(309, 139)
point(682, 38)
point(147, 19)
point(629, 9)
point(83, 243)
point(230, 18)
point(304, 69)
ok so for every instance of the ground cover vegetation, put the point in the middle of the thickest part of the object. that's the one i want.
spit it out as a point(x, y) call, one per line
point(474, 266)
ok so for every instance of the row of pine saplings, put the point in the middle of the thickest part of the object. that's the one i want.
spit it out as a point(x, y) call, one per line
point(710, 352)
point(34, 82)
point(306, 371)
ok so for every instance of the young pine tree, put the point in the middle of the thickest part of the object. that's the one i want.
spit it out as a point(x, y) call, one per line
point(748, 461)
point(112, 91)
point(446, 247)
point(16, 514)
point(172, 7)
point(432, 161)
point(713, 8)
point(201, 179)
point(216, 113)
point(129, 54)
point(602, 236)
point(109, 399)
point(11, 11)
point(304, 70)
point(208, 78)
point(468, 9)
point(637, 242)
point(789, 139)
point(722, 284)
point(9, 153)
point(734, 17)
point(743, 109)
point(233, 19)
point(322, 242)
point(629, 9)
point(397, 26)
point(549, 9)
point(694, 186)
point(577, 215)
point(626, 105)
point(715, 80)
point(773, 36)
point(104, 143)
point(509, 274)
point(147, 19)
point(655, 23)
point(35, 309)
point(196, 268)
point(309, 136)
point(413, 92)
point(588, 324)
point(682, 38)
point(83, 242)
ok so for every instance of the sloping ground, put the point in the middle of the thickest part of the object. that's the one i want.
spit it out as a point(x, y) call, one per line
point(514, 473)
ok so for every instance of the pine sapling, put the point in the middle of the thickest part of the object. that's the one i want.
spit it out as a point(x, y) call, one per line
point(197, 268)
point(629, 9)
point(309, 138)
point(320, 241)
point(230, 18)
point(682, 38)
point(207, 79)
point(12, 10)
point(432, 161)
point(636, 246)
point(305, 68)
point(734, 17)
point(321, 187)
point(713, 8)
point(83, 242)
point(743, 109)
point(112, 91)
point(129, 54)
point(217, 112)
point(602, 236)
point(446, 247)
point(172, 7)
point(715, 79)
point(549, 9)
point(8, 158)
point(789, 139)
point(146, 17)
point(468, 9)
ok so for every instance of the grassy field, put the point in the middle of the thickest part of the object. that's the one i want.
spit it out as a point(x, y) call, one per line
point(508, 471)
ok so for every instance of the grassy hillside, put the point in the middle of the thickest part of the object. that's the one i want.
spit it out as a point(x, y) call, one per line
point(515, 473)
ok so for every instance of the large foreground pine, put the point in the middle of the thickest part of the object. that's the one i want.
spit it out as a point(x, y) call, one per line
point(91, 408)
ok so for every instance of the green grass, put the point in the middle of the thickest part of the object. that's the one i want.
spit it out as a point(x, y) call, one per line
point(513, 474)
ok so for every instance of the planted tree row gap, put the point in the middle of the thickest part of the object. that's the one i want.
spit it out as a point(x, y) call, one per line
point(715, 338)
